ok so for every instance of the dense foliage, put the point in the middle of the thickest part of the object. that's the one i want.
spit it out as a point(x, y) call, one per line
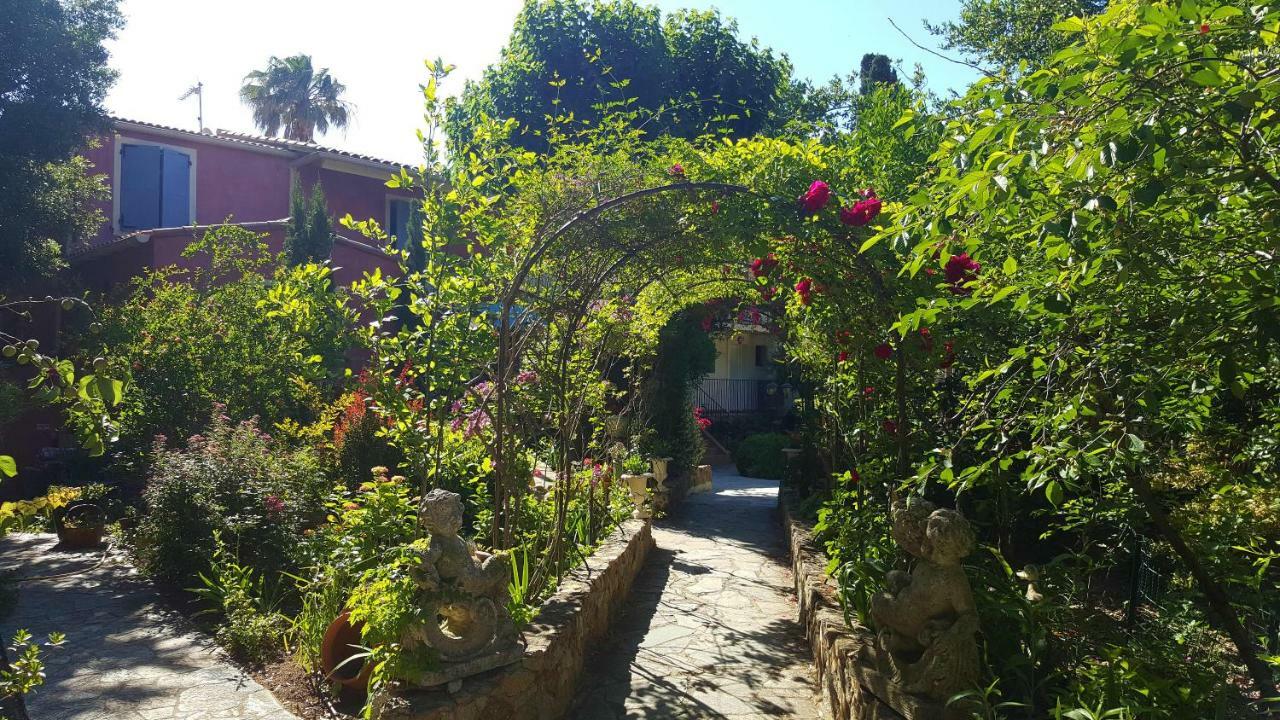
point(53, 79)
point(571, 59)
point(263, 339)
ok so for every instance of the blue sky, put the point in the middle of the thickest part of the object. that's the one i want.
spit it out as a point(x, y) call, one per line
point(376, 48)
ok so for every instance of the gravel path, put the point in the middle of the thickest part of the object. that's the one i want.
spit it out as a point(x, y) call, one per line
point(710, 630)
point(126, 657)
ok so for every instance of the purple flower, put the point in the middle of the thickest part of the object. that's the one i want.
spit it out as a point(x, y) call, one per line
point(527, 377)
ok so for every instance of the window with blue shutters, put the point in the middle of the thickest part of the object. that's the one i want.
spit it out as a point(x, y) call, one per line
point(155, 187)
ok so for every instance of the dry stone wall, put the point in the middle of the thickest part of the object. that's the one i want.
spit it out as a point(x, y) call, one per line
point(853, 687)
point(542, 684)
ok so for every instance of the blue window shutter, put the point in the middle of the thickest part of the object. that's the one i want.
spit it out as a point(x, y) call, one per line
point(398, 222)
point(175, 206)
point(139, 187)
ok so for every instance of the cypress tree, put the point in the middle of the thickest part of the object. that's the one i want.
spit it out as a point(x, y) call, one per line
point(319, 231)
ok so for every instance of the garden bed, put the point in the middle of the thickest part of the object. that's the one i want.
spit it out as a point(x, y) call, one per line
point(542, 684)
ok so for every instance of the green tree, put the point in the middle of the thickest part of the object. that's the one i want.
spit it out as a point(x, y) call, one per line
point(309, 238)
point(291, 96)
point(568, 57)
point(874, 70)
point(53, 78)
point(1003, 33)
point(1125, 232)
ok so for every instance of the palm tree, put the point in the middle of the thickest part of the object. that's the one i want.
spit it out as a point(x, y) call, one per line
point(290, 95)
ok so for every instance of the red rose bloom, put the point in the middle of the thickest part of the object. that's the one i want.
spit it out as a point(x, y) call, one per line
point(948, 353)
point(762, 266)
point(961, 269)
point(768, 293)
point(816, 197)
point(843, 356)
point(890, 427)
point(863, 211)
point(884, 351)
point(854, 476)
point(926, 339)
point(715, 207)
point(804, 289)
point(868, 391)
point(1204, 28)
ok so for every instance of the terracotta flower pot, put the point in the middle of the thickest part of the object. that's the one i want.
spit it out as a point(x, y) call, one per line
point(337, 647)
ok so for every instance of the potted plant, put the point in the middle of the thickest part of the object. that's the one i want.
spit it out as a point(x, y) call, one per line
point(83, 521)
point(82, 526)
point(342, 655)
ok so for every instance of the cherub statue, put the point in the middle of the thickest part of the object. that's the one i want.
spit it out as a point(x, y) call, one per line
point(463, 587)
point(927, 619)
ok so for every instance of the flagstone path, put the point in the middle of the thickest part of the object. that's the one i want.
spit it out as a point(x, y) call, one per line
point(125, 657)
point(710, 630)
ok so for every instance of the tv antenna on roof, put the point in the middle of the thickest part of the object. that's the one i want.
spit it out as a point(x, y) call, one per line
point(198, 91)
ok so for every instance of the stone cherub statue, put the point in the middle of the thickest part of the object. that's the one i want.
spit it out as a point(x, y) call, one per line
point(462, 587)
point(927, 619)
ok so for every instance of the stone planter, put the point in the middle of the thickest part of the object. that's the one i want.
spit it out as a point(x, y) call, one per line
point(661, 493)
point(701, 480)
point(639, 487)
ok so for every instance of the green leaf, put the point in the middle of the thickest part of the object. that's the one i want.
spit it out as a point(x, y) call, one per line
point(1010, 265)
point(1053, 493)
point(8, 466)
point(1069, 25)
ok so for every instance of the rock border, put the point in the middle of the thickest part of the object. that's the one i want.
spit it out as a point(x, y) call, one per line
point(852, 689)
point(543, 683)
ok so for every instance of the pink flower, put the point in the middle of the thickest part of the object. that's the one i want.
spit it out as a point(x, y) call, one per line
point(863, 211)
point(715, 207)
point(816, 197)
point(843, 356)
point(762, 266)
point(676, 171)
point(768, 293)
point(804, 289)
point(884, 351)
point(868, 391)
point(961, 269)
point(527, 377)
point(273, 504)
point(476, 421)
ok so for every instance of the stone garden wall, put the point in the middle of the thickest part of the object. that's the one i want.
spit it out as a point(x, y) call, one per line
point(836, 646)
point(542, 684)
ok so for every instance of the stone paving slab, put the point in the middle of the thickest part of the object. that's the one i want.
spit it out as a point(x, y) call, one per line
point(710, 630)
point(126, 656)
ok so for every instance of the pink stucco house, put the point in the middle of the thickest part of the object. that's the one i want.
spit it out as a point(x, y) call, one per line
point(168, 185)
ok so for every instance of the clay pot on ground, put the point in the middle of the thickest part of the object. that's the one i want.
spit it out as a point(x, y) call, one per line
point(341, 642)
point(81, 527)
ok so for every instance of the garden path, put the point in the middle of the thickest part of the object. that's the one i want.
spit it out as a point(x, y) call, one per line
point(126, 657)
point(710, 630)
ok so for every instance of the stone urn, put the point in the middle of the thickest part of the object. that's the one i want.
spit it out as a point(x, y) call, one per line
point(638, 485)
point(341, 643)
point(661, 493)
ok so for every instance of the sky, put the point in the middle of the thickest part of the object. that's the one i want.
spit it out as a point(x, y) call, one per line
point(377, 48)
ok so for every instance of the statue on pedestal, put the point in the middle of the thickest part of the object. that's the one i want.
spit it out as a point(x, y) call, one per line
point(926, 619)
point(463, 593)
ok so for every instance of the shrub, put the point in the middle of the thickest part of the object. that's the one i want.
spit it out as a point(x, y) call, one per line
point(357, 444)
point(685, 355)
point(237, 481)
point(250, 333)
point(760, 455)
point(251, 629)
